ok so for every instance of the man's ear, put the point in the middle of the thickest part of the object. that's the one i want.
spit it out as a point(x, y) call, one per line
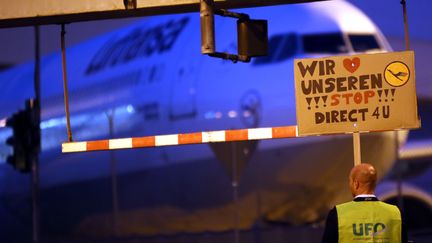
point(356, 184)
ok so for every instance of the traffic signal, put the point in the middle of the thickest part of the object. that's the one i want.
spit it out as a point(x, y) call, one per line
point(25, 139)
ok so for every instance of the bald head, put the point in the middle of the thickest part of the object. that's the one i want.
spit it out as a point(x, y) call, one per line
point(363, 179)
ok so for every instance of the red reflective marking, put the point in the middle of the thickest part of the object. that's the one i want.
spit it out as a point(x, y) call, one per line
point(236, 135)
point(190, 138)
point(143, 142)
point(97, 145)
point(284, 132)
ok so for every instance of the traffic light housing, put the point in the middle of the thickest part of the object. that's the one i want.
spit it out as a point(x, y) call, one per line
point(25, 139)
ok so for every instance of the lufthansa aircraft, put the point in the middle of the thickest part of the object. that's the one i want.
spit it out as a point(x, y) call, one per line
point(151, 79)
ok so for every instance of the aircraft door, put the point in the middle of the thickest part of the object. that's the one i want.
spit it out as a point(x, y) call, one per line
point(183, 102)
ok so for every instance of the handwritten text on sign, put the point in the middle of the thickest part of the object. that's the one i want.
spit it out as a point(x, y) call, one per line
point(369, 92)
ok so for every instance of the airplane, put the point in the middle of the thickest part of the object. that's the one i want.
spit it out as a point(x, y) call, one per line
point(151, 79)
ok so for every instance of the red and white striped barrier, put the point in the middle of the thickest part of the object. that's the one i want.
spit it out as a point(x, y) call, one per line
point(182, 139)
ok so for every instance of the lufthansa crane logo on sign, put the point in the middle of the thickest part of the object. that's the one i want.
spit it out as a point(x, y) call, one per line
point(397, 74)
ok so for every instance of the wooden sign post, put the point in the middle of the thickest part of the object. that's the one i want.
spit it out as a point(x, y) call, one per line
point(357, 149)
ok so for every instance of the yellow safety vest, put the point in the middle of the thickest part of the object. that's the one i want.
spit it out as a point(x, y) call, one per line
point(369, 221)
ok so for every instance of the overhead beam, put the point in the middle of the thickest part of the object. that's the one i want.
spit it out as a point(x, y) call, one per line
point(18, 13)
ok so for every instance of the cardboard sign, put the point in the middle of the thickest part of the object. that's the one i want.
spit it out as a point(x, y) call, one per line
point(344, 94)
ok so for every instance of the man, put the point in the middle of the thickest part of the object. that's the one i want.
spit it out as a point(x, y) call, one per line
point(365, 219)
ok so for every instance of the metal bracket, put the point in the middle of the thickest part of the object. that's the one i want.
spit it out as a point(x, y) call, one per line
point(130, 4)
point(208, 46)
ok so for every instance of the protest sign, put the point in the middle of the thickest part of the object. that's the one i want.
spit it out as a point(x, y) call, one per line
point(359, 93)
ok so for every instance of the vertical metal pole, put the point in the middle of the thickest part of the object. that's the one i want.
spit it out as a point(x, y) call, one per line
point(35, 157)
point(37, 67)
point(357, 150)
point(399, 174)
point(35, 197)
point(113, 177)
point(399, 189)
point(65, 87)
point(235, 193)
point(405, 18)
point(207, 27)
point(257, 225)
point(407, 47)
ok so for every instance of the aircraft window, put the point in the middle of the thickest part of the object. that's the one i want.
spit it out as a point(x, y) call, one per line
point(362, 43)
point(281, 47)
point(324, 43)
